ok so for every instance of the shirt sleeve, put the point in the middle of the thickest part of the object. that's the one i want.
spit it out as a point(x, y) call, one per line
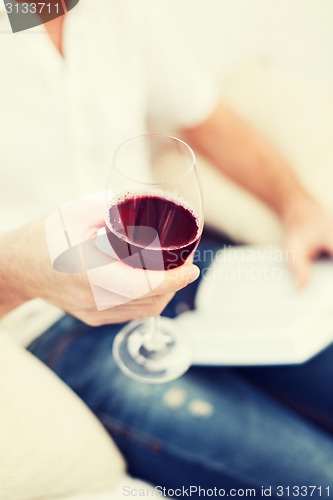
point(181, 93)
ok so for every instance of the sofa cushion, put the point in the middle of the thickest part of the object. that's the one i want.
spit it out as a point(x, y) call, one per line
point(51, 444)
point(296, 115)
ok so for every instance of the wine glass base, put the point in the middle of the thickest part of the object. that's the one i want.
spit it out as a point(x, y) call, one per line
point(152, 358)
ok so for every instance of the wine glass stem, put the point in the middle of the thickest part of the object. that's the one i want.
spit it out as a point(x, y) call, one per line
point(154, 340)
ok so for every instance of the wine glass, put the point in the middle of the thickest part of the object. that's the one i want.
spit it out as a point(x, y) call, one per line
point(154, 222)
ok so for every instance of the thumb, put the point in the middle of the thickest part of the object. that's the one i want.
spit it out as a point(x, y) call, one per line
point(299, 263)
point(177, 278)
point(134, 283)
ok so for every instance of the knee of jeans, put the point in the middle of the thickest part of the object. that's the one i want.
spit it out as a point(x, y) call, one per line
point(177, 398)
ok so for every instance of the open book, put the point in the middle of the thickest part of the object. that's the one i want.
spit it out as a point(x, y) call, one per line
point(249, 311)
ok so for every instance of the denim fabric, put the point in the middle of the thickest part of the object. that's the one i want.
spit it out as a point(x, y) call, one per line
point(213, 427)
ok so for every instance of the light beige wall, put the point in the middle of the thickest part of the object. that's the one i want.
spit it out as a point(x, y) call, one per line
point(295, 34)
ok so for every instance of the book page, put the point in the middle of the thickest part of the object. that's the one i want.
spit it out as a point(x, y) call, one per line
point(249, 310)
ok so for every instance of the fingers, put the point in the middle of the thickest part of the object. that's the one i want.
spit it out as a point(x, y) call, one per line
point(303, 253)
point(309, 234)
point(300, 266)
point(300, 263)
point(176, 279)
point(329, 246)
point(149, 306)
point(136, 309)
point(130, 283)
point(150, 300)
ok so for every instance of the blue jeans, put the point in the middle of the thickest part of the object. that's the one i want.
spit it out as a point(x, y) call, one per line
point(213, 427)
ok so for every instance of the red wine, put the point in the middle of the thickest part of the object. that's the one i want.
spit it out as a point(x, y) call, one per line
point(161, 231)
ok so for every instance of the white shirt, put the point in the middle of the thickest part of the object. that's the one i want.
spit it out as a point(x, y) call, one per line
point(62, 118)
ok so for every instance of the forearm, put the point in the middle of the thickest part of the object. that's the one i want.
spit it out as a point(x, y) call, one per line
point(12, 292)
point(26, 273)
point(243, 155)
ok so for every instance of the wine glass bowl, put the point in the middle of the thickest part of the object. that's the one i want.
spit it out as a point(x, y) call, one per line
point(154, 221)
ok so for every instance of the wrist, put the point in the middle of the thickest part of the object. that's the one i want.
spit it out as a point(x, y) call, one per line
point(10, 284)
point(296, 203)
point(18, 272)
point(299, 207)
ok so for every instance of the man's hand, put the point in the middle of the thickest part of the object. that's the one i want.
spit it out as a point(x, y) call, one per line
point(239, 152)
point(308, 234)
point(26, 272)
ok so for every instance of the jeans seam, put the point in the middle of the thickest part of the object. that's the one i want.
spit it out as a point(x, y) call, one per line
point(144, 437)
point(62, 343)
point(303, 410)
